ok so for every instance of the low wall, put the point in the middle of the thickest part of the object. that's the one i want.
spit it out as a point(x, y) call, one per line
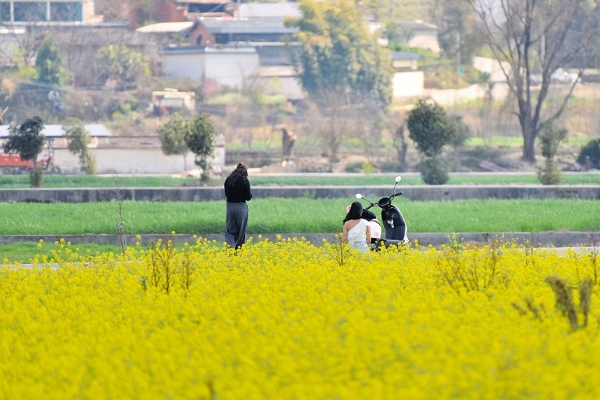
point(541, 239)
point(417, 193)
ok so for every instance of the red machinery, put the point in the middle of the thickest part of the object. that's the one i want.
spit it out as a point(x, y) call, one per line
point(12, 164)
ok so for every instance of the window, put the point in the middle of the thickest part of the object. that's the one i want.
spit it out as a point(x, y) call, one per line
point(30, 11)
point(68, 11)
point(4, 11)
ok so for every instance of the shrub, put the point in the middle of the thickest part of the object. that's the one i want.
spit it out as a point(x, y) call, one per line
point(550, 140)
point(434, 171)
point(589, 156)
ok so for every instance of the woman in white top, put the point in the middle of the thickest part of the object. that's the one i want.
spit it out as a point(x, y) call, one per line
point(356, 231)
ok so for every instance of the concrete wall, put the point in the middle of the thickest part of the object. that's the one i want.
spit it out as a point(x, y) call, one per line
point(541, 239)
point(133, 161)
point(228, 67)
point(417, 193)
point(408, 83)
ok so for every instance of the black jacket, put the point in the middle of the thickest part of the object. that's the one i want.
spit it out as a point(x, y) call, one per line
point(239, 192)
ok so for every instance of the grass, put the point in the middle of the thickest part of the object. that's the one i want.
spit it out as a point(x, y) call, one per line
point(88, 181)
point(24, 252)
point(297, 216)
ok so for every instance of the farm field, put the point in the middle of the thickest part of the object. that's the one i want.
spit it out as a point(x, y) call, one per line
point(86, 181)
point(292, 320)
point(296, 216)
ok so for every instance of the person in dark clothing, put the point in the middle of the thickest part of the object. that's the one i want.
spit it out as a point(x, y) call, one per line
point(237, 192)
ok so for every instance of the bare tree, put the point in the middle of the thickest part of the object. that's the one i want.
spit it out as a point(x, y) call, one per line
point(535, 38)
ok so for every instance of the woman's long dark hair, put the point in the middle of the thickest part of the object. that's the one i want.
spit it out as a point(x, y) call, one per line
point(355, 212)
point(241, 171)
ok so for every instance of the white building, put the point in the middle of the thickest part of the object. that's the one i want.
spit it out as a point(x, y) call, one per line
point(227, 66)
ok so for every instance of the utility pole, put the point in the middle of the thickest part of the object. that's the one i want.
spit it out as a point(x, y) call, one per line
point(457, 59)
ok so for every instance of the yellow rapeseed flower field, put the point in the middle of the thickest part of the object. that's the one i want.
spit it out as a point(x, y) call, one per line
point(290, 320)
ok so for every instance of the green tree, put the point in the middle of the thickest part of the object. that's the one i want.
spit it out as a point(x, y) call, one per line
point(338, 54)
point(48, 63)
point(173, 135)
point(78, 139)
point(458, 31)
point(341, 67)
point(27, 140)
point(200, 140)
point(431, 129)
point(121, 63)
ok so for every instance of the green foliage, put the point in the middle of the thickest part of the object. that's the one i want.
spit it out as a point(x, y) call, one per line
point(121, 63)
point(550, 139)
point(172, 136)
point(78, 139)
point(200, 140)
point(589, 156)
point(549, 174)
point(48, 63)
point(431, 128)
point(434, 171)
point(338, 54)
point(396, 35)
point(458, 31)
point(26, 139)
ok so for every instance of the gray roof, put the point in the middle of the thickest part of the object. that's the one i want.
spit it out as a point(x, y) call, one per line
point(404, 55)
point(417, 25)
point(95, 130)
point(245, 25)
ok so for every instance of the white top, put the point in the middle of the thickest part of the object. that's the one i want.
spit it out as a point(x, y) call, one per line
point(358, 233)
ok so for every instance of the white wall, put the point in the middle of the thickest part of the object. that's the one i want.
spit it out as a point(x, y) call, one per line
point(287, 86)
point(133, 161)
point(425, 40)
point(408, 83)
point(452, 96)
point(226, 67)
point(231, 69)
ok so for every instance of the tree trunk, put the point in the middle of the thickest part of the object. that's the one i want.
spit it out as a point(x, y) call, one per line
point(529, 146)
point(184, 154)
